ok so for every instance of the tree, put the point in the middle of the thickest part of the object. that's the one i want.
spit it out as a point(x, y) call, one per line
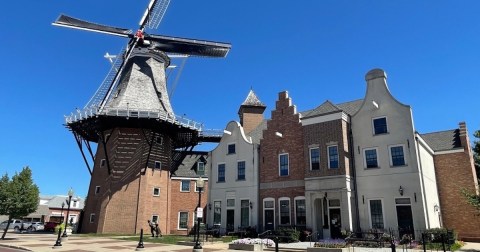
point(19, 197)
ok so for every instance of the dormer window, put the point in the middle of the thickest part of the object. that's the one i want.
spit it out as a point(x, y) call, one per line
point(200, 168)
point(380, 125)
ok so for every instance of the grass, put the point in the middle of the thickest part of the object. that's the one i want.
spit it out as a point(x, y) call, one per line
point(173, 239)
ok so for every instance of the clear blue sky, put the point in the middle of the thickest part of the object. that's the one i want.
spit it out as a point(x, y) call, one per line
point(317, 50)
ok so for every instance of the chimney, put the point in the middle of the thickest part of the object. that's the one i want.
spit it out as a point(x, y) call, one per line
point(251, 112)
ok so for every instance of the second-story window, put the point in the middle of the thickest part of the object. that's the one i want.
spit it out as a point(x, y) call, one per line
point(221, 173)
point(241, 170)
point(380, 126)
point(200, 168)
point(231, 149)
point(397, 158)
point(315, 158)
point(332, 157)
point(371, 160)
point(283, 164)
point(185, 186)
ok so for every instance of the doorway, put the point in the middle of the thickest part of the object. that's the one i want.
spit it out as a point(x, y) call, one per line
point(405, 220)
point(230, 220)
point(335, 223)
point(269, 219)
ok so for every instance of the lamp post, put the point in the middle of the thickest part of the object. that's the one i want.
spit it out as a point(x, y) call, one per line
point(61, 213)
point(70, 194)
point(200, 184)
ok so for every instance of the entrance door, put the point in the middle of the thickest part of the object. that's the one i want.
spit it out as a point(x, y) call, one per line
point(405, 220)
point(268, 222)
point(230, 220)
point(335, 223)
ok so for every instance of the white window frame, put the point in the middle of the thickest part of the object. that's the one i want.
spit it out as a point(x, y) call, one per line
point(234, 203)
point(75, 203)
point(158, 164)
point(328, 156)
point(92, 216)
point(274, 212)
point(373, 125)
point(159, 140)
point(244, 170)
point(181, 183)
point(365, 158)
point(370, 212)
point(213, 219)
point(391, 158)
point(224, 172)
point(153, 216)
point(97, 189)
point(198, 167)
point(295, 207)
point(178, 222)
point(289, 210)
point(153, 191)
point(310, 155)
point(249, 210)
point(279, 165)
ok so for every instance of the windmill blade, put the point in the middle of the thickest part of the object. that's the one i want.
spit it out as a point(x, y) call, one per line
point(189, 46)
point(70, 22)
point(154, 14)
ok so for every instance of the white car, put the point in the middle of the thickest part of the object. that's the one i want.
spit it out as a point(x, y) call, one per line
point(36, 226)
point(15, 225)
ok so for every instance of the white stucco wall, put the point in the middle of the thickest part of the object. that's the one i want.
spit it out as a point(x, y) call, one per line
point(384, 182)
point(233, 188)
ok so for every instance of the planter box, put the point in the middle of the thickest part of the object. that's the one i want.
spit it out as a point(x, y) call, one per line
point(320, 249)
point(248, 247)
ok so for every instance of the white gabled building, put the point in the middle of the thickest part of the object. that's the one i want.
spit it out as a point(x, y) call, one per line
point(233, 192)
point(395, 173)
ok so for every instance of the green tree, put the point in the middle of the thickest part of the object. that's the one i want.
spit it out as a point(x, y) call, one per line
point(19, 197)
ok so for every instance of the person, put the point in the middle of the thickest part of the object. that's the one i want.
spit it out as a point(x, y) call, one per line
point(157, 229)
point(152, 228)
point(22, 227)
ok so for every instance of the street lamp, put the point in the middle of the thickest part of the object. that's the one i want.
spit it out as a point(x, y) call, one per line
point(70, 194)
point(61, 213)
point(200, 185)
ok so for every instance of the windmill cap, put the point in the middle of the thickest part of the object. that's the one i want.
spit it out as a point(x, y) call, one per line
point(375, 74)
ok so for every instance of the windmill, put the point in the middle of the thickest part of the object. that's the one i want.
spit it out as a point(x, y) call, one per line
point(132, 121)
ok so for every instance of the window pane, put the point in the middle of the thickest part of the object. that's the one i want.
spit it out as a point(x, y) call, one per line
point(315, 158)
point(245, 213)
point(221, 173)
point(241, 170)
point(269, 204)
point(284, 165)
point(371, 158)
point(183, 221)
point(333, 156)
point(300, 211)
point(402, 201)
point(185, 185)
point(380, 125)
point(397, 156)
point(376, 213)
point(334, 202)
point(200, 168)
point(231, 149)
point(284, 212)
point(217, 210)
point(230, 202)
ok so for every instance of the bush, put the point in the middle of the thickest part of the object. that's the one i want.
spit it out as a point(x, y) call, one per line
point(62, 226)
point(435, 235)
point(289, 234)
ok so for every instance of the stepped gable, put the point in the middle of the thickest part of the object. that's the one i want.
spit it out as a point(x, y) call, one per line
point(443, 140)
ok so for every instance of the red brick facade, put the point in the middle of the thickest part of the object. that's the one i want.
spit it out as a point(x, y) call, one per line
point(457, 214)
point(284, 134)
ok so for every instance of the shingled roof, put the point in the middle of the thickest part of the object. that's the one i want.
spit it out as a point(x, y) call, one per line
point(328, 107)
point(443, 140)
point(252, 100)
point(188, 166)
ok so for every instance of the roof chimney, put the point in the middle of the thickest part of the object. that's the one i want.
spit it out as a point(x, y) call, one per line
point(251, 112)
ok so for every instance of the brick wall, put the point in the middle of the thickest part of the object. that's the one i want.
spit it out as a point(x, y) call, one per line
point(284, 120)
point(250, 117)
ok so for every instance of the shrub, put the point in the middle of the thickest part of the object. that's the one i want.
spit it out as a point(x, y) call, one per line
point(59, 226)
point(331, 243)
point(288, 234)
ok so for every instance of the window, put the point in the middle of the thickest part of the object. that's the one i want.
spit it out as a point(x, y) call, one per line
point(159, 140)
point(376, 214)
point(183, 220)
point(283, 163)
point(97, 189)
point(155, 218)
point(200, 168)
point(300, 213)
point(380, 126)
point(185, 186)
point(332, 157)
point(284, 211)
point(221, 173)
point(230, 202)
point(231, 149)
point(92, 218)
point(245, 213)
point(158, 165)
point(315, 158)
point(371, 158)
point(156, 191)
point(217, 212)
point(241, 170)
point(75, 204)
point(397, 157)
point(102, 162)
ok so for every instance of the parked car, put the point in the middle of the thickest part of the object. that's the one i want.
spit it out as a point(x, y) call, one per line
point(15, 225)
point(50, 226)
point(36, 226)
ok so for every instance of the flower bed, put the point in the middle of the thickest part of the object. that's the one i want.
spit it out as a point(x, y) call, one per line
point(250, 244)
point(330, 245)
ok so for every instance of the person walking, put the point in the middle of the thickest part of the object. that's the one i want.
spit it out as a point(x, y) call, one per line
point(152, 228)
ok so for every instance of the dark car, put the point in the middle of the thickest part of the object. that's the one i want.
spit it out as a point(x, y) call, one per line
point(50, 226)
